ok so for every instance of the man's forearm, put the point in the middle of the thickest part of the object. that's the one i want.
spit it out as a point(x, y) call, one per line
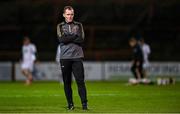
point(66, 38)
point(78, 40)
point(71, 39)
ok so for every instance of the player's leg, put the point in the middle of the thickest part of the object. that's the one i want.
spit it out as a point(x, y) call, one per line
point(25, 72)
point(141, 70)
point(66, 68)
point(24, 67)
point(28, 76)
point(136, 72)
point(27, 68)
point(78, 71)
point(133, 70)
point(145, 80)
point(145, 67)
point(30, 70)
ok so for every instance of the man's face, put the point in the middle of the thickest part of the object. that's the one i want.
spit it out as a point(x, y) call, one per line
point(26, 41)
point(132, 43)
point(68, 15)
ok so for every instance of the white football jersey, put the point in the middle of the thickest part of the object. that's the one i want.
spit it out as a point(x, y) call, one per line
point(28, 52)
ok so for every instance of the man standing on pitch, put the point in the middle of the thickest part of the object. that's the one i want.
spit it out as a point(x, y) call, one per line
point(137, 60)
point(29, 53)
point(71, 37)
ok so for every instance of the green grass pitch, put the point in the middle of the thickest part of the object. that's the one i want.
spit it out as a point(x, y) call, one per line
point(104, 97)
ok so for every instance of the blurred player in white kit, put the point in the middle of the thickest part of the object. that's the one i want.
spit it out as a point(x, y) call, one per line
point(28, 58)
point(146, 52)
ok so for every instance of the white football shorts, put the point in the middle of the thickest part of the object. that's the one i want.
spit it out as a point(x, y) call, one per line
point(27, 65)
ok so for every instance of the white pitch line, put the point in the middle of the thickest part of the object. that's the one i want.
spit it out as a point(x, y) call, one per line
point(53, 95)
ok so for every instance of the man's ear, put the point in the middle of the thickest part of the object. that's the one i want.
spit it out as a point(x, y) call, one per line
point(63, 15)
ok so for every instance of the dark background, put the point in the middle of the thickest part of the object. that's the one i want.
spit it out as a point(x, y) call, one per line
point(108, 25)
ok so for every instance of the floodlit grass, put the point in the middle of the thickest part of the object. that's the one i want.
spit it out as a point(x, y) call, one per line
point(104, 97)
